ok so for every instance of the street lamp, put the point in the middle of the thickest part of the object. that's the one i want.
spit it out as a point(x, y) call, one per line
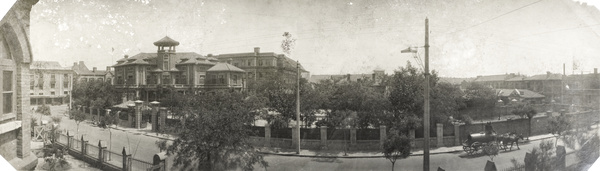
point(500, 102)
point(110, 135)
point(426, 96)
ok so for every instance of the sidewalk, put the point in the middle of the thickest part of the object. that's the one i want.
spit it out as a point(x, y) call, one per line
point(146, 131)
point(371, 154)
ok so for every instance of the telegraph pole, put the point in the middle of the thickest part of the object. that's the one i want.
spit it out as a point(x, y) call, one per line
point(298, 105)
point(426, 106)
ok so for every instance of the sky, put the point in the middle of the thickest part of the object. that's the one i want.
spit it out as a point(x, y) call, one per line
point(467, 37)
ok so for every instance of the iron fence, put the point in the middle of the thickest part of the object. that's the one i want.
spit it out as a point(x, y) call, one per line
point(140, 165)
point(114, 159)
point(76, 145)
point(518, 167)
point(92, 150)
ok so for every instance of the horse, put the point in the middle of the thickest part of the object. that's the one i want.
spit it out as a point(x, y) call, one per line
point(510, 138)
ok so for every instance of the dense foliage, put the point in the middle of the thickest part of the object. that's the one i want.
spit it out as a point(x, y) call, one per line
point(95, 94)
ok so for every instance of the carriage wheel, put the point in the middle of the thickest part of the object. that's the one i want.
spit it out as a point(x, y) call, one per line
point(467, 149)
point(475, 147)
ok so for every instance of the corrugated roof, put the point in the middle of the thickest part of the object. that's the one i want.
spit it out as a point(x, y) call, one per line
point(224, 67)
point(48, 65)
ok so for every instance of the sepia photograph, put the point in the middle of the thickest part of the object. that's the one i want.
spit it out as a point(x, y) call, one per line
point(285, 85)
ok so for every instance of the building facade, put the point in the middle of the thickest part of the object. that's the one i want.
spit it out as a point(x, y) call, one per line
point(261, 65)
point(15, 112)
point(145, 75)
point(50, 83)
point(83, 73)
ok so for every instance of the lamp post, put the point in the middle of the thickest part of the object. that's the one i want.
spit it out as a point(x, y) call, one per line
point(110, 134)
point(500, 102)
point(426, 97)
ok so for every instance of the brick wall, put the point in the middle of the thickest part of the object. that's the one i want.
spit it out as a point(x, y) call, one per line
point(8, 145)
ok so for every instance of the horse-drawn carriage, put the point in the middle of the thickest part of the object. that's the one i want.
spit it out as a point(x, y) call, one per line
point(489, 140)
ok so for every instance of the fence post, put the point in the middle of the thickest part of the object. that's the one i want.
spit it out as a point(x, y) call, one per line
point(159, 162)
point(295, 137)
point(352, 135)
point(490, 166)
point(561, 155)
point(154, 119)
point(126, 159)
point(411, 136)
point(440, 134)
point(456, 134)
point(529, 161)
point(324, 137)
point(101, 152)
point(69, 141)
point(83, 145)
point(162, 119)
point(138, 114)
point(267, 135)
point(382, 135)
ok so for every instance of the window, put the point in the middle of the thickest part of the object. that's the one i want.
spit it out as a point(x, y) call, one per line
point(31, 84)
point(52, 85)
point(260, 62)
point(52, 93)
point(66, 92)
point(65, 83)
point(130, 79)
point(249, 62)
point(7, 92)
point(100, 79)
point(235, 79)
point(201, 80)
point(84, 79)
point(221, 79)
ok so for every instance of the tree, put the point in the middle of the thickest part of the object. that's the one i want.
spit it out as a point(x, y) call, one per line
point(396, 146)
point(54, 153)
point(106, 122)
point(589, 151)
point(560, 126)
point(216, 136)
point(542, 156)
point(78, 116)
point(43, 110)
point(95, 94)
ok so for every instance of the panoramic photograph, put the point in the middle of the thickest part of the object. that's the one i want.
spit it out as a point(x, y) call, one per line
point(156, 85)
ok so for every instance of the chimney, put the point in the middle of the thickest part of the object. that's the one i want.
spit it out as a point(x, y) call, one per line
point(74, 63)
point(548, 73)
point(256, 51)
point(595, 70)
point(81, 63)
point(94, 69)
point(107, 68)
point(126, 56)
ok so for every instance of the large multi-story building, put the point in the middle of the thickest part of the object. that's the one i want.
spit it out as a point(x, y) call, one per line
point(15, 112)
point(50, 83)
point(143, 76)
point(260, 65)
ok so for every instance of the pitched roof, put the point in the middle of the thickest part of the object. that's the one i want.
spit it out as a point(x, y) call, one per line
point(48, 65)
point(455, 80)
point(224, 67)
point(149, 58)
point(545, 77)
point(526, 93)
point(517, 78)
point(166, 41)
point(492, 78)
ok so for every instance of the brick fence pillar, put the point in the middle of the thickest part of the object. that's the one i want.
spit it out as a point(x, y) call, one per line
point(440, 135)
point(561, 155)
point(69, 140)
point(267, 135)
point(295, 136)
point(162, 118)
point(382, 135)
point(456, 134)
point(324, 137)
point(138, 114)
point(154, 117)
point(411, 136)
point(352, 136)
point(101, 152)
point(83, 145)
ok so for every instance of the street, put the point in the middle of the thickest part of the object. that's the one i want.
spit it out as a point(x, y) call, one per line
point(143, 148)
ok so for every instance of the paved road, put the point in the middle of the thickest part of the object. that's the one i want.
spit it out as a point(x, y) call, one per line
point(456, 161)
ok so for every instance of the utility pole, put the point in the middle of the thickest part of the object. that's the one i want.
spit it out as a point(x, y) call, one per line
point(426, 106)
point(298, 105)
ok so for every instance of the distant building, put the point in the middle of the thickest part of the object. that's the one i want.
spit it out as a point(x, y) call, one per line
point(520, 95)
point(259, 65)
point(15, 111)
point(83, 73)
point(143, 76)
point(50, 83)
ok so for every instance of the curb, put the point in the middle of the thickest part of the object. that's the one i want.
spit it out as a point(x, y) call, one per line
point(146, 134)
point(377, 156)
